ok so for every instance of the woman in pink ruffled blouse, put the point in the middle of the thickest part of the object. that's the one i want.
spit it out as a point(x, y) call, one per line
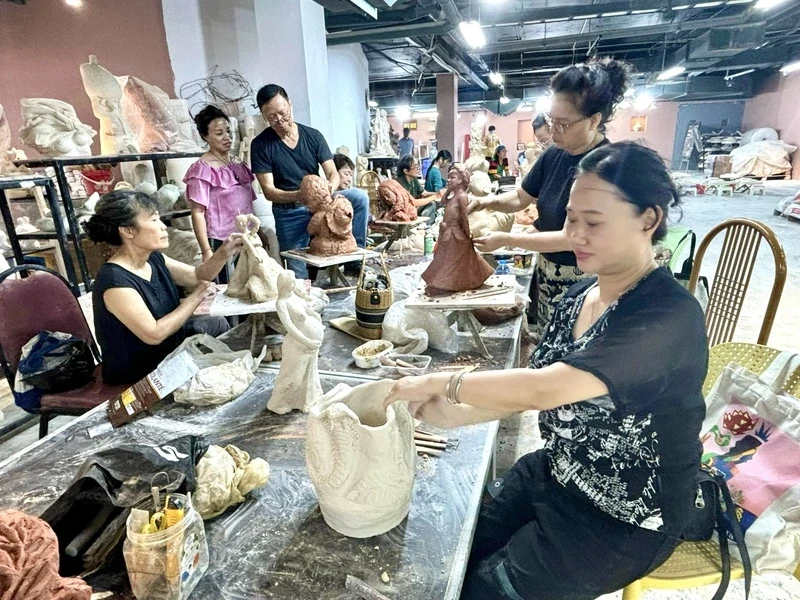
point(218, 187)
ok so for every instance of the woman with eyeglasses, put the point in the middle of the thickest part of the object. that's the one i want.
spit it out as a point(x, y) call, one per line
point(583, 101)
point(408, 174)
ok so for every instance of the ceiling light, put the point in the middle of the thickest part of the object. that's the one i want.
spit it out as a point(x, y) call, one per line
point(585, 17)
point(473, 34)
point(671, 72)
point(556, 20)
point(496, 78)
point(643, 101)
point(74, 3)
point(646, 11)
point(707, 4)
point(372, 104)
point(504, 100)
point(739, 1)
point(739, 74)
point(791, 67)
point(681, 7)
point(543, 104)
point(767, 4)
point(615, 14)
point(402, 112)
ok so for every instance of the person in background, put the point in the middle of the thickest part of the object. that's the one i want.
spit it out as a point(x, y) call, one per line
point(138, 314)
point(282, 155)
point(408, 175)
point(491, 141)
point(584, 98)
point(498, 166)
point(609, 496)
point(406, 144)
point(433, 179)
point(218, 186)
point(344, 166)
point(541, 130)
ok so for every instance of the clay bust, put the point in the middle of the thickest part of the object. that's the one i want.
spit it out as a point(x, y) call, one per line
point(456, 267)
point(52, 128)
point(331, 225)
point(361, 459)
point(297, 386)
point(255, 278)
point(395, 202)
point(105, 93)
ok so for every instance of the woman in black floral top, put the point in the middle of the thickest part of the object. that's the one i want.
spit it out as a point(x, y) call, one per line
point(617, 378)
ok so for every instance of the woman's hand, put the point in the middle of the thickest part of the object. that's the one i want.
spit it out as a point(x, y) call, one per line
point(207, 254)
point(232, 246)
point(203, 290)
point(492, 241)
point(426, 400)
point(475, 204)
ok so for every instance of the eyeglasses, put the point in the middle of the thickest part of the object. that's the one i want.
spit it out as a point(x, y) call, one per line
point(560, 127)
point(279, 118)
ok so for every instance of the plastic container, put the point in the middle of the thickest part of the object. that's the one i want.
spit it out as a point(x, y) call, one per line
point(167, 565)
point(368, 356)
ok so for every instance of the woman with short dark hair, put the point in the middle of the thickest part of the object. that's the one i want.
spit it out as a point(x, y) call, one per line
point(617, 378)
point(583, 101)
point(138, 315)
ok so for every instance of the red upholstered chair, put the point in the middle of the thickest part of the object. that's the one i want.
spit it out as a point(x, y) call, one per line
point(42, 301)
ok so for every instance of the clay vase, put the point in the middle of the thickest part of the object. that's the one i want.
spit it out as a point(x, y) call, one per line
point(361, 459)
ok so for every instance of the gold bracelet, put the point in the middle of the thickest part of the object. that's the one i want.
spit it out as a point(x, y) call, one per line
point(453, 387)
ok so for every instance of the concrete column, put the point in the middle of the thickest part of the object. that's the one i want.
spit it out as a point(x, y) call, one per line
point(294, 54)
point(447, 107)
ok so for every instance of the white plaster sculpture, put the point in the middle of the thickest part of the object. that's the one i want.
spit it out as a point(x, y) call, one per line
point(380, 138)
point(255, 278)
point(362, 167)
point(297, 385)
point(105, 93)
point(52, 128)
point(477, 147)
point(361, 459)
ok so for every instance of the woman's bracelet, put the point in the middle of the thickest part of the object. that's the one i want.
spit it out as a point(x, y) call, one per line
point(454, 386)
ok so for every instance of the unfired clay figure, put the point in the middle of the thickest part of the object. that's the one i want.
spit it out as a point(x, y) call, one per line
point(380, 139)
point(255, 278)
point(105, 93)
point(480, 184)
point(456, 266)
point(331, 225)
point(52, 128)
point(477, 163)
point(482, 222)
point(395, 202)
point(361, 459)
point(297, 386)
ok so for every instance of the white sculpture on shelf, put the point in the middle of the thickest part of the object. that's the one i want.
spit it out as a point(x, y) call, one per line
point(52, 128)
point(380, 139)
point(361, 459)
point(362, 166)
point(190, 138)
point(297, 385)
point(105, 92)
point(477, 147)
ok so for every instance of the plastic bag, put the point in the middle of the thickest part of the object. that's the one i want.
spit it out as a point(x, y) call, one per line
point(224, 374)
point(57, 362)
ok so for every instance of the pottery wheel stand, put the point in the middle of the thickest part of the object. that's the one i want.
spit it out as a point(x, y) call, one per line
point(497, 292)
point(330, 263)
point(400, 231)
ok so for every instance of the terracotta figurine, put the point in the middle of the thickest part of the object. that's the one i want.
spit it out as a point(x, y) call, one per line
point(456, 266)
point(331, 225)
point(395, 202)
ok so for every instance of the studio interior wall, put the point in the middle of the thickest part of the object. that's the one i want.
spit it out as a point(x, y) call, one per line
point(348, 72)
point(44, 44)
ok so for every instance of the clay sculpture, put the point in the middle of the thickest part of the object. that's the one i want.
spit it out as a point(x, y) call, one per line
point(53, 129)
point(395, 203)
point(297, 385)
point(105, 93)
point(477, 163)
point(255, 277)
point(361, 459)
point(380, 138)
point(482, 222)
point(480, 184)
point(331, 225)
point(456, 266)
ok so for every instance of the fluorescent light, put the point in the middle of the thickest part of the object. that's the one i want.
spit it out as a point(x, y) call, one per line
point(372, 104)
point(646, 11)
point(585, 17)
point(402, 112)
point(504, 100)
point(615, 14)
point(643, 101)
point(496, 78)
point(767, 4)
point(791, 67)
point(681, 7)
point(74, 3)
point(473, 34)
point(556, 20)
point(739, 74)
point(543, 104)
point(739, 2)
point(671, 72)
point(707, 4)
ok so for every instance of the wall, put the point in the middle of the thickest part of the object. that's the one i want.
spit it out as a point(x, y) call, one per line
point(776, 106)
point(44, 44)
point(659, 134)
point(348, 71)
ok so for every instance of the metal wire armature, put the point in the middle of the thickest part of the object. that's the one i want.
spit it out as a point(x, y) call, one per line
point(222, 88)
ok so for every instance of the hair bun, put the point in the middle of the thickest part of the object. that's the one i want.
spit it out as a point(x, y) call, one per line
point(619, 76)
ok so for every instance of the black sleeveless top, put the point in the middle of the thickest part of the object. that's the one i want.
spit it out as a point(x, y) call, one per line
point(126, 358)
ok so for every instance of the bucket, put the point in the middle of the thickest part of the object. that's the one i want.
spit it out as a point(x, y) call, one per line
point(168, 564)
point(371, 305)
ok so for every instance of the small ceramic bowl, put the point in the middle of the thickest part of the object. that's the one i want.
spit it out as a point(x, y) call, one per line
point(368, 356)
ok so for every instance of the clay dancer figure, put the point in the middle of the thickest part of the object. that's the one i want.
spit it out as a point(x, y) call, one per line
point(456, 267)
point(297, 386)
point(331, 225)
point(256, 275)
point(395, 202)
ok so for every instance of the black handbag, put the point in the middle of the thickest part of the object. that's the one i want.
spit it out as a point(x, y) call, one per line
point(714, 510)
point(58, 362)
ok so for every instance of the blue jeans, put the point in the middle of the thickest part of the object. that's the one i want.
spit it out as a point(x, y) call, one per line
point(291, 226)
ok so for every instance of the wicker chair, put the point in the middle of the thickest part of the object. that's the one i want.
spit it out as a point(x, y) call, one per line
point(732, 277)
point(694, 564)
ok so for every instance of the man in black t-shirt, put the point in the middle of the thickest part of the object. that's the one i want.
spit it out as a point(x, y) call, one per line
point(281, 156)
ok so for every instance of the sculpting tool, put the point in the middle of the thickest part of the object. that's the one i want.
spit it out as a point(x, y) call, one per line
point(428, 451)
point(431, 445)
point(421, 435)
point(354, 584)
